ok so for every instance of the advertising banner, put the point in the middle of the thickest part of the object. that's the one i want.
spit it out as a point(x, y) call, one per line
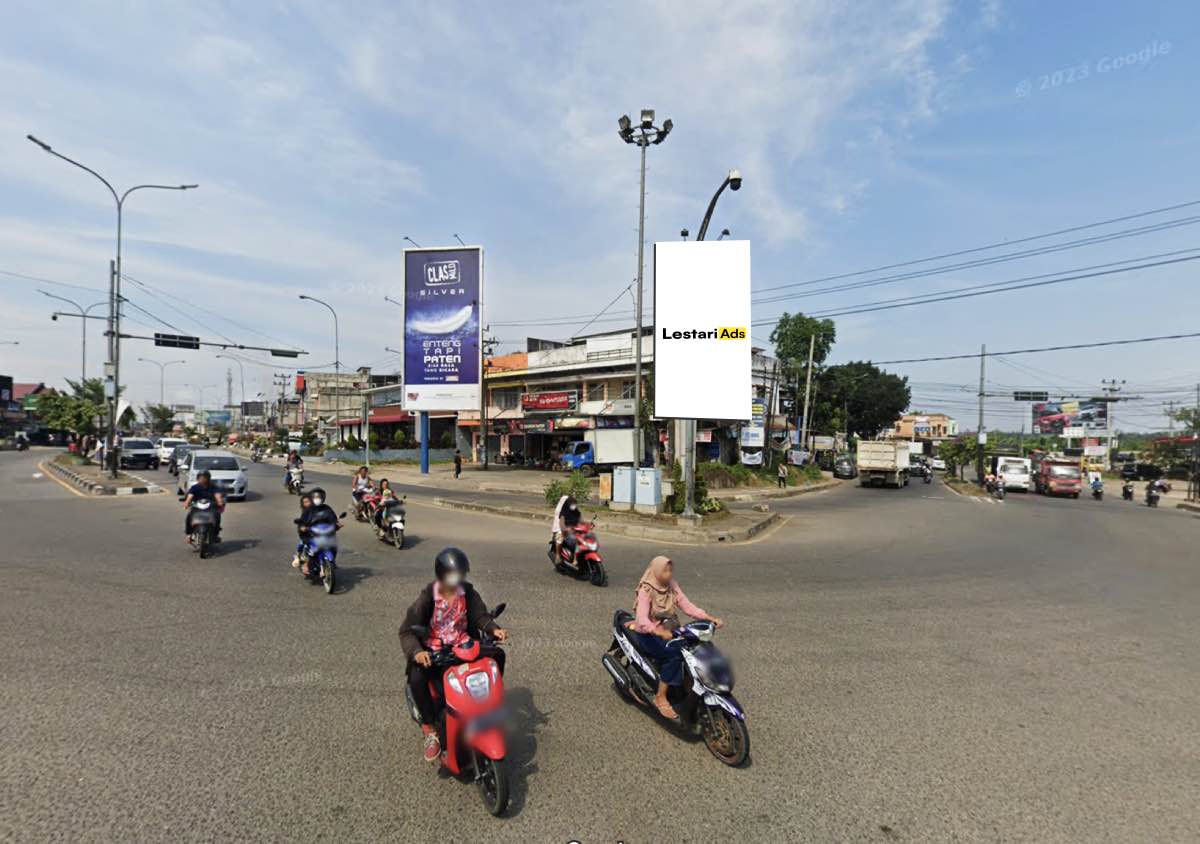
point(702, 329)
point(217, 417)
point(752, 458)
point(443, 305)
point(704, 436)
point(545, 402)
point(1054, 416)
point(752, 434)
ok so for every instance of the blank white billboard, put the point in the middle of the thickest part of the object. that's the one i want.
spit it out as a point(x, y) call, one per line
point(702, 329)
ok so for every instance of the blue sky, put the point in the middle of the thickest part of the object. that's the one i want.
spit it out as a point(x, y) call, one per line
point(867, 134)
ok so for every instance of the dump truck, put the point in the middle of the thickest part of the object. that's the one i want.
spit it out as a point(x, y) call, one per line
point(883, 463)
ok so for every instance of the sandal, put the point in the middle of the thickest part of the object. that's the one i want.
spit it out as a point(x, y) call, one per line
point(666, 711)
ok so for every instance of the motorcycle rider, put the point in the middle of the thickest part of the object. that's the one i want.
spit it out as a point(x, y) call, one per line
point(1097, 483)
point(655, 622)
point(360, 485)
point(203, 490)
point(305, 504)
point(451, 610)
point(562, 527)
point(1127, 490)
point(293, 462)
point(384, 494)
point(318, 513)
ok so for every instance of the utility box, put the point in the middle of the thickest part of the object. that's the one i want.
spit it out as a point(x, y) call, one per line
point(622, 488)
point(606, 487)
point(648, 497)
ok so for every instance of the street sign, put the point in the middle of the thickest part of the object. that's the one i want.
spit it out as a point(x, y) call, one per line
point(1029, 396)
point(284, 353)
point(176, 341)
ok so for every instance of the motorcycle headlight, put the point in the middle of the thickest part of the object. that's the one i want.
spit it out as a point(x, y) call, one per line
point(478, 685)
point(452, 679)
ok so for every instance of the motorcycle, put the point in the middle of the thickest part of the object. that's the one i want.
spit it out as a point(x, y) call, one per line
point(203, 516)
point(1098, 492)
point(256, 455)
point(1152, 495)
point(388, 518)
point(469, 697)
point(360, 504)
point(1127, 491)
point(704, 702)
point(321, 548)
point(295, 480)
point(585, 561)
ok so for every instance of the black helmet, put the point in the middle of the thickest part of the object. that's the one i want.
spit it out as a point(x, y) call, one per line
point(451, 560)
point(205, 474)
point(315, 491)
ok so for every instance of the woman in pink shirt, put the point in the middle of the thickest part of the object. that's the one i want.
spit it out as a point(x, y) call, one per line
point(655, 620)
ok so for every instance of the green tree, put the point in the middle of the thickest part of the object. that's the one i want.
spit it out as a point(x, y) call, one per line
point(791, 337)
point(69, 413)
point(860, 398)
point(400, 439)
point(159, 417)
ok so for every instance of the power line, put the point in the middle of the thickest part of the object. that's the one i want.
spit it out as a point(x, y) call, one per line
point(994, 287)
point(996, 245)
point(1046, 348)
point(41, 280)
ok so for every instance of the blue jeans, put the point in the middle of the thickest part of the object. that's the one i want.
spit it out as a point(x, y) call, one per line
point(668, 659)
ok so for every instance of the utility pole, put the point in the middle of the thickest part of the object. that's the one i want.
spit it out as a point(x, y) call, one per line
point(981, 437)
point(1111, 387)
point(812, 344)
point(1194, 483)
point(1171, 405)
point(489, 345)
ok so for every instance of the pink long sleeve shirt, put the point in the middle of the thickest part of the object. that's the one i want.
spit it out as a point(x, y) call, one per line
point(643, 623)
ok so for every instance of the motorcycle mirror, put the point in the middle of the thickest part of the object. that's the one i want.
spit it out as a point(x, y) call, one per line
point(342, 515)
point(499, 609)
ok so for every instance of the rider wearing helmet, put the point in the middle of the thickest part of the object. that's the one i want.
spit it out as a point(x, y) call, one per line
point(452, 611)
point(203, 490)
point(318, 513)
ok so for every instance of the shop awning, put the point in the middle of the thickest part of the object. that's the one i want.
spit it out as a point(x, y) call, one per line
point(379, 416)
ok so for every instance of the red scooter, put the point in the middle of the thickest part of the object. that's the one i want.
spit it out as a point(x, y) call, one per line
point(586, 561)
point(470, 725)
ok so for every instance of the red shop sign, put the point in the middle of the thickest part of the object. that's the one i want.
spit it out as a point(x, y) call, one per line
point(564, 400)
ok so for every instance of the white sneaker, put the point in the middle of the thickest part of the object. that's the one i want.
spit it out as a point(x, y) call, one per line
point(295, 561)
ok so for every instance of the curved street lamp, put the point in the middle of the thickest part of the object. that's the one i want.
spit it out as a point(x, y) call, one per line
point(162, 368)
point(83, 318)
point(114, 289)
point(337, 365)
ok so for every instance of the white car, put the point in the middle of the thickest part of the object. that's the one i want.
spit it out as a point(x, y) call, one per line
point(138, 453)
point(938, 464)
point(166, 448)
point(228, 473)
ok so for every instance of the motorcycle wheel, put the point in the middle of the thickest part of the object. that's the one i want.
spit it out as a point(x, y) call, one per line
point(726, 737)
point(493, 784)
point(200, 539)
point(328, 577)
point(398, 539)
point(599, 576)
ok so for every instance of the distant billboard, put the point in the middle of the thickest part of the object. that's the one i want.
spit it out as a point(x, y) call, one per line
point(702, 329)
point(217, 417)
point(753, 434)
point(1054, 417)
point(443, 305)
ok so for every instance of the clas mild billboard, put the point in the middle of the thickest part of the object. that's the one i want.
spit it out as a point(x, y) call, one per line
point(702, 329)
point(443, 304)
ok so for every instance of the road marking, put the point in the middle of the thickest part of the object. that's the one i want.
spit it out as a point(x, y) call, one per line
point(37, 475)
point(933, 497)
point(62, 483)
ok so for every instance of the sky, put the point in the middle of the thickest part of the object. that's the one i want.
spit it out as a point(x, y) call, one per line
point(867, 134)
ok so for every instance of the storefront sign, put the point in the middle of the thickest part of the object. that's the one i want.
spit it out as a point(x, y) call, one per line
point(753, 434)
point(549, 402)
point(614, 421)
point(704, 436)
point(576, 423)
point(543, 427)
point(443, 301)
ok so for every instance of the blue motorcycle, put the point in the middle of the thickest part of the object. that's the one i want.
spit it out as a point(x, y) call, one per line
point(320, 554)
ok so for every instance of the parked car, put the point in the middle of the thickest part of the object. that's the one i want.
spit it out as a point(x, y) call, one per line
point(138, 454)
point(938, 464)
point(177, 455)
point(843, 467)
point(228, 473)
point(166, 447)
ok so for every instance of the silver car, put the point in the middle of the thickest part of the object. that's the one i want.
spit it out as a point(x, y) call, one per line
point(227, 471)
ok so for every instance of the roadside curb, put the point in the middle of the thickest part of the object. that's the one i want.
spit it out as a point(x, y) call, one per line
point(92, 488)
point(681, 535)
point(1189, 506)
point(787, 493)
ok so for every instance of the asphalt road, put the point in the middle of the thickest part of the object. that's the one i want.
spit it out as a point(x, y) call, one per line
point(916, 666)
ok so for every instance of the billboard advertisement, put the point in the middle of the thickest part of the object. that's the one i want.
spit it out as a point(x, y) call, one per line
point(443, 306)
point(752, 435)
point(702, 329)
point(1054, 417)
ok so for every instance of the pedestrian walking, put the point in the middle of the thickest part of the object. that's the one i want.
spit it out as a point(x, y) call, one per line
point(457, 463)
point(782, 475)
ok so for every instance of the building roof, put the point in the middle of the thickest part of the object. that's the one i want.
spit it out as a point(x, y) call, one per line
point(20, 391)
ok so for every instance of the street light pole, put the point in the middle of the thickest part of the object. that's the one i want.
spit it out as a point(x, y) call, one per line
point(337, 366)
point(733, 181)
point(114, 293)
point(242, 370)
point(83, 318)
point(162, 368)
point(646, 133)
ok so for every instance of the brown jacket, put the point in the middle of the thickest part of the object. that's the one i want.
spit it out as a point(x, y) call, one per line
point(421, 613)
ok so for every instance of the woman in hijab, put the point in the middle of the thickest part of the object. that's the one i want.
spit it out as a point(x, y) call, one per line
point(655, 620)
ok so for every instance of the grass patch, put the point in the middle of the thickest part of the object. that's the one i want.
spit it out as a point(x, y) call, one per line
point(966, 487)
point(68, 459)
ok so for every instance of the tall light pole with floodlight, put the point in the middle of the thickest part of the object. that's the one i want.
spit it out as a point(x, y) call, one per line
point(644, 134)
point(114, 294)
point(242, 370)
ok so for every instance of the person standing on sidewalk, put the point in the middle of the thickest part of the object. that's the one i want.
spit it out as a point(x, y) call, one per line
point(782, 475)
point(457, 463)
